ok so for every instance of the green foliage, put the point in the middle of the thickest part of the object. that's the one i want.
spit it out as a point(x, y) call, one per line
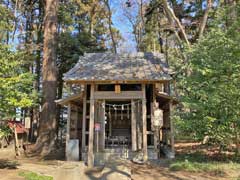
point(6, 20)
point(211, 91)
point(15, 82)
point(34, 176)
point(5, 131)
point(200, 162)
point(197, 167)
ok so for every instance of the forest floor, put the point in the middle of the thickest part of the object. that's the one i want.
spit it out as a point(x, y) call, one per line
point(193, 161)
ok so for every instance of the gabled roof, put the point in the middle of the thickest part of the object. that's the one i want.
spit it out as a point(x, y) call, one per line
point(20, 129)
point(102, 67)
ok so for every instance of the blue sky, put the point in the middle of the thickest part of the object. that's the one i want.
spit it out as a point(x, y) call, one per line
point(123, 25)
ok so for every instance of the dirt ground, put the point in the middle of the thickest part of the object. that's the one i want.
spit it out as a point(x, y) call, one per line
point(115, 169)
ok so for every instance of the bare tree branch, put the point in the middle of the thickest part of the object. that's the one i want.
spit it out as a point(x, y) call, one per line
point(173, 19)
point(109, 16)
point(204, 20)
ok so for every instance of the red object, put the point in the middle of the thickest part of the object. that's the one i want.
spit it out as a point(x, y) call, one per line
point(19, 126)
point(97, 127)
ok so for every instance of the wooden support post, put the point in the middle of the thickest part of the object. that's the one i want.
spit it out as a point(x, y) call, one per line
point(171, 127)
point(68, 131)
point(110, 125)
point(77, 123)
point(144, 119)
point(96, 120)
point(133, 126)
point(139, 127)
point(91, 129)
point(102, 116)
point(84, 119)
point(16, 141)
point(155, 129)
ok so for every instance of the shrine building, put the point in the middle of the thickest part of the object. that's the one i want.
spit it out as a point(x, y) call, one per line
point(120, 106)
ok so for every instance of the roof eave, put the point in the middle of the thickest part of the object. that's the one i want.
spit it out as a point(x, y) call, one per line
point(145, 81)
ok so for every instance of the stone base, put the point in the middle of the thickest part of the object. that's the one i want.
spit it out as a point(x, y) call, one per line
point(72, 150)
point(152, 154)
point(101, 157)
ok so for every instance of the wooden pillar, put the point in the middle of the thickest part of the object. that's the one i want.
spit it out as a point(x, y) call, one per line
point(133, 126)
point(76, 122)
point(96, 120)
point(84, 119)
point(91, 129)
point(171, 126)
point(155, 129)
point(68, 130)
point(16, 141)
point(110, 124)
point(144, 119)
point(102, 125)
point(139, 127)
point(102, 122)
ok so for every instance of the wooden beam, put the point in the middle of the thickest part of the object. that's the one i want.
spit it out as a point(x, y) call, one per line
point(117, 88)
point(171, 127)
point(139, 127)
point(91, 129)
point(110, 125)
point(16, 141)
point(133, 126)
point(68, 130)
point(118, 96)
point(147, 81)
point(66, 101)
point(155, 129)
point(102, 118)
point(84, 119)
point(144, 119)
point(77, 123)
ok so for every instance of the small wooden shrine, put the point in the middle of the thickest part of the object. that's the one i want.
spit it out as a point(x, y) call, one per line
point(121, 101)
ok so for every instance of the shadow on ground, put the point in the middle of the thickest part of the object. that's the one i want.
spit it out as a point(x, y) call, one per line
point(6, 164)
point(112, 170)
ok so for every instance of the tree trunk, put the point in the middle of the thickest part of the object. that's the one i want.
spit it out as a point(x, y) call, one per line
point(174, 19)
point(204, 20)
point(109, 16)
point(47, 125)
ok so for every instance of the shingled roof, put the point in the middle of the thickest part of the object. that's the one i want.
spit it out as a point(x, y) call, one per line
point(100, 67)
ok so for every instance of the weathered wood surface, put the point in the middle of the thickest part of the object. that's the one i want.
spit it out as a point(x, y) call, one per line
point(91, 129)
point(139, 126)
point(122, 95)
point(68, 130)
point(171, 126)
point(133, 126)
point(84, 119)
point(119, 67)
point(102, 122)
point(72, 98)
point(144, 120)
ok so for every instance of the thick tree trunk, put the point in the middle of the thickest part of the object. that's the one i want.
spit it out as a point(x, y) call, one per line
point(47, 124)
